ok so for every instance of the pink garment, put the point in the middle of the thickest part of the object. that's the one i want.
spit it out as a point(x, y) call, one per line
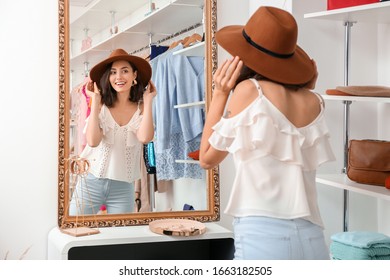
point(79, 113)
point(81, 124)
point(87, 98)
point(86, 43)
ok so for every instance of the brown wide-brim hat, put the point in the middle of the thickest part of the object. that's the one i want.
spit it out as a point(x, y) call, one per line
point(375, 91)
point(268, 45)
point(144, 71)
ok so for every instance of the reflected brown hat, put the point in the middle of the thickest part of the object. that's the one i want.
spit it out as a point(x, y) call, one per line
point(268, 45)
point(143, 67)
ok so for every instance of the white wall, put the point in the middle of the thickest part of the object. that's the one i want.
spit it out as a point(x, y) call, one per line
point(29, 117)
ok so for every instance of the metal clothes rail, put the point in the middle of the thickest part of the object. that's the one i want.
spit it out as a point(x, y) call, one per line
point(168, 37)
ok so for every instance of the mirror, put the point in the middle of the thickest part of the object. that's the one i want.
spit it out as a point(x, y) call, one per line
point(143, 20)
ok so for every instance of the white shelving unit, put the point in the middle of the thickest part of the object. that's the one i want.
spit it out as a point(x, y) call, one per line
point(373, 13)
point(195, 50)
point(136, 29)
point(341, 181)
point(199, 103)
point(356, 98)
point(377, 12)
point(191, 161)
point(101, 9)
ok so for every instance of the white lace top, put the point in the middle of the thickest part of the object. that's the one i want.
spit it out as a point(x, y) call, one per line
point(118, 155)
point(275, 161)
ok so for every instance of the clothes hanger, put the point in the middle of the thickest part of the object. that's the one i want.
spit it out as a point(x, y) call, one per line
point(194, 38)
point(185, 40)
point(174, 44)
point(114, 26)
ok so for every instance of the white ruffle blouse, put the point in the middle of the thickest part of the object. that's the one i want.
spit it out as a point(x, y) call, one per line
point(118, 156)
point(275, 161)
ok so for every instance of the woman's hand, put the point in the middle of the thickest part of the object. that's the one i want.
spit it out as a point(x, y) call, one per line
point(94, 133)
point(145, 132)
point(226, 75)
point(150, 92)
point(93, 92)
point(225, 79)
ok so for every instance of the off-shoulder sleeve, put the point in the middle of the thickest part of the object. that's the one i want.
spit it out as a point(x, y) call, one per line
point(257, 132)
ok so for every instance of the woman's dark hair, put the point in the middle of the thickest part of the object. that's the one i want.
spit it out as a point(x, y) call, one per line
point(109, 94)
point(247, 73)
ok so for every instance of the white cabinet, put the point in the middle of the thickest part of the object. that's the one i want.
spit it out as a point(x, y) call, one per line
point(138, 242)
point(378, 13)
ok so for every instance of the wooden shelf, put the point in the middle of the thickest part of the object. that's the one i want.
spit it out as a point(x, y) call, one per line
point(375, 13)
point(193, 104)
point(356, 98)
point(341, 181)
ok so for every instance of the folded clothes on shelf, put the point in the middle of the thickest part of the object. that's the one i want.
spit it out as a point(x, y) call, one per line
point(340, 251)
point(362, 239)
point(360, 245)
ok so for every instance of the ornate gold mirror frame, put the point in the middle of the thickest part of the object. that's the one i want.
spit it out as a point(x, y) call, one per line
point(66, 221)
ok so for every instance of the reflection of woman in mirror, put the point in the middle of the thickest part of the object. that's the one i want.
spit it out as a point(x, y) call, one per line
point(275, 128)
point(120, 122)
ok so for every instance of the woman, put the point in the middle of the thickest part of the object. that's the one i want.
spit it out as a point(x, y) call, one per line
point(119, 123)
point(275, 129)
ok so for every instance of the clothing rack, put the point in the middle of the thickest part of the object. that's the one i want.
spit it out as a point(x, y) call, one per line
point(168, 37)
point(347, 53)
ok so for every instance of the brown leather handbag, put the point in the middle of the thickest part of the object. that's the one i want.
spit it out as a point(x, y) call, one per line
point(369, 161)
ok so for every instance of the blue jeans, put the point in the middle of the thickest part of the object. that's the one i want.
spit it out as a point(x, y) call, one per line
point(263, 238)
point(92, 192)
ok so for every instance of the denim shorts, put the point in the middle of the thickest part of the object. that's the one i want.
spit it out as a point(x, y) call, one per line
point(91, 192)
point(264, 238)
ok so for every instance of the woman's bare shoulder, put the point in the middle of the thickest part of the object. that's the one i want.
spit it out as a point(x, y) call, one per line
point(242, 96)
point(246, 86)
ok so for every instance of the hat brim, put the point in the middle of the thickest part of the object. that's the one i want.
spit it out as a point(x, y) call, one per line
point(143, 68)
point(295, 70)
